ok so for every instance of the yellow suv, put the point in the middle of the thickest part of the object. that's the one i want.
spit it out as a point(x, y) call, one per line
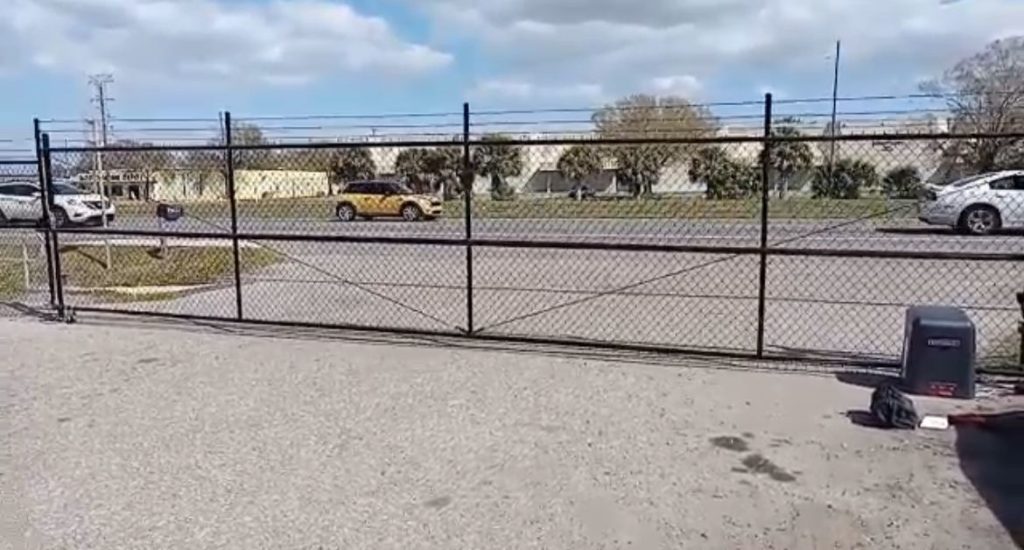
point(372, 199)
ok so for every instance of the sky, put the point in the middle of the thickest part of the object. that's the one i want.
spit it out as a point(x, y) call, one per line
point(187, 58)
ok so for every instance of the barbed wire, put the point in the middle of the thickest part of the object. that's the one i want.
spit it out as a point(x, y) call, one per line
point(347, 128)
point(513, 126)
point(530, 111)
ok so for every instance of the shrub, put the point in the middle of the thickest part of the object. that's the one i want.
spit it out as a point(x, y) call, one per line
point(848, 178)
point(725, 177)
point(903, 182)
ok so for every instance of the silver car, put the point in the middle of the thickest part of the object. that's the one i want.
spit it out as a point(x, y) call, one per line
point(978, 205)
point(23, 202)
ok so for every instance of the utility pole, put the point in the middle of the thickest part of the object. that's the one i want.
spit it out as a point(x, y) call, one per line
point(99, 83)
point(835, 102)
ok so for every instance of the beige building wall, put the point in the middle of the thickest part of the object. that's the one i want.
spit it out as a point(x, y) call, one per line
point(188, 185)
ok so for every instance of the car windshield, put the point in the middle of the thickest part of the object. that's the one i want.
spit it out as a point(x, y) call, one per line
point(65, 189)
point(402, 189)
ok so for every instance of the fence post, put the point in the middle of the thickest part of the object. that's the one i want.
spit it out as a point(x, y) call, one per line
point(467, 196)
point(24, 266)
point(45, 222)
point(766, 160)
point(232, 199)
point(58, 273)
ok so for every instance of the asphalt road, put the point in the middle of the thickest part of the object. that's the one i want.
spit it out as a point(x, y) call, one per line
point(817, 234)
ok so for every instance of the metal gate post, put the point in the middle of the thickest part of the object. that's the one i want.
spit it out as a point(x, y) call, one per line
point(232, 199)
point(467, 196)
point(766, 160)
point(45, 222)
point(58, 273)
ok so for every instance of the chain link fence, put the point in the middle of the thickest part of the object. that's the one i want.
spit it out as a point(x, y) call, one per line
point(772, 245)
point(24, 283)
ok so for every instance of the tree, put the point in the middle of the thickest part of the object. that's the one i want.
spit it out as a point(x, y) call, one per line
point(849, 177)
point(985, 95)
point(641, 117)
point(411, 168)
point(431, 170)
point(723, 176)
point(903, 182)
point(445, 165)
point(202, 160)
point(789, 158)
point(578, 163)
point(639, 166)
point(136, 158)
point(354, 164)
point(245, 134)
point(498, 162)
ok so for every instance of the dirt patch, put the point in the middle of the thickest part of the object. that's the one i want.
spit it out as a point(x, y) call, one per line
point(760, 465)
point(731, 443)
point(439, 502)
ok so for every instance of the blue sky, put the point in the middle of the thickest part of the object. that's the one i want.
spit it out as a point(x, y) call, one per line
point(276, 57)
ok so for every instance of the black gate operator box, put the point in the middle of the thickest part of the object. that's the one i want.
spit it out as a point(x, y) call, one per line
point(938, 352)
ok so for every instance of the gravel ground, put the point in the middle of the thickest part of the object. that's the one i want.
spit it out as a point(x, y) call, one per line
point(120, 435)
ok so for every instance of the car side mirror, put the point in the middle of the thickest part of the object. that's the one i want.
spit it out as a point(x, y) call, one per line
point(37, 194)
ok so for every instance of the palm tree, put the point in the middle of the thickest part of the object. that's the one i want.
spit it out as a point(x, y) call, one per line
point(578, 163)
point(355, 164)
point(498, 161)
point(789, 158)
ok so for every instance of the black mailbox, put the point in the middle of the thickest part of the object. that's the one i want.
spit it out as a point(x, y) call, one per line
point(169, 212)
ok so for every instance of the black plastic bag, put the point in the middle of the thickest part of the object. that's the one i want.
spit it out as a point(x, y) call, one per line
point(892, 409)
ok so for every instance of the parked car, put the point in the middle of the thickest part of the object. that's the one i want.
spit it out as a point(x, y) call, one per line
point(583, 191)
point(978, 205)
point(372, 199)
point(23, 202)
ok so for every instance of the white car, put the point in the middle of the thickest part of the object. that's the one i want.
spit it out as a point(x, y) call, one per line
point(23, 202)
point(978, 205)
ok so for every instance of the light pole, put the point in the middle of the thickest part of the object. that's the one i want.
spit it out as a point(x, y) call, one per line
point(832, 126)
point(99, 82)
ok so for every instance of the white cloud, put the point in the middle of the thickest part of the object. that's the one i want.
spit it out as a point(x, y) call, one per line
point(679, 85)
point(188, 41)
point(622, 44)
point(522, 90)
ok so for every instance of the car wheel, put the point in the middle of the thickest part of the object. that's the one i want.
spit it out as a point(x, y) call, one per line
point(980, 220)
point(411, 213)
point(60, 217)
point(346, 212)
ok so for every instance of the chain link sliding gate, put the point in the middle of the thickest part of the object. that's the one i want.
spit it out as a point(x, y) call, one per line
point(748, 257)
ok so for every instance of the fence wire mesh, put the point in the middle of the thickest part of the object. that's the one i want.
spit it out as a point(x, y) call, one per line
point(173, 275)
point(653, 240)
point(23, 275)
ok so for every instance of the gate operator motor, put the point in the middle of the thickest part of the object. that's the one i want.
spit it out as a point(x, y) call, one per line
point(938, 352)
